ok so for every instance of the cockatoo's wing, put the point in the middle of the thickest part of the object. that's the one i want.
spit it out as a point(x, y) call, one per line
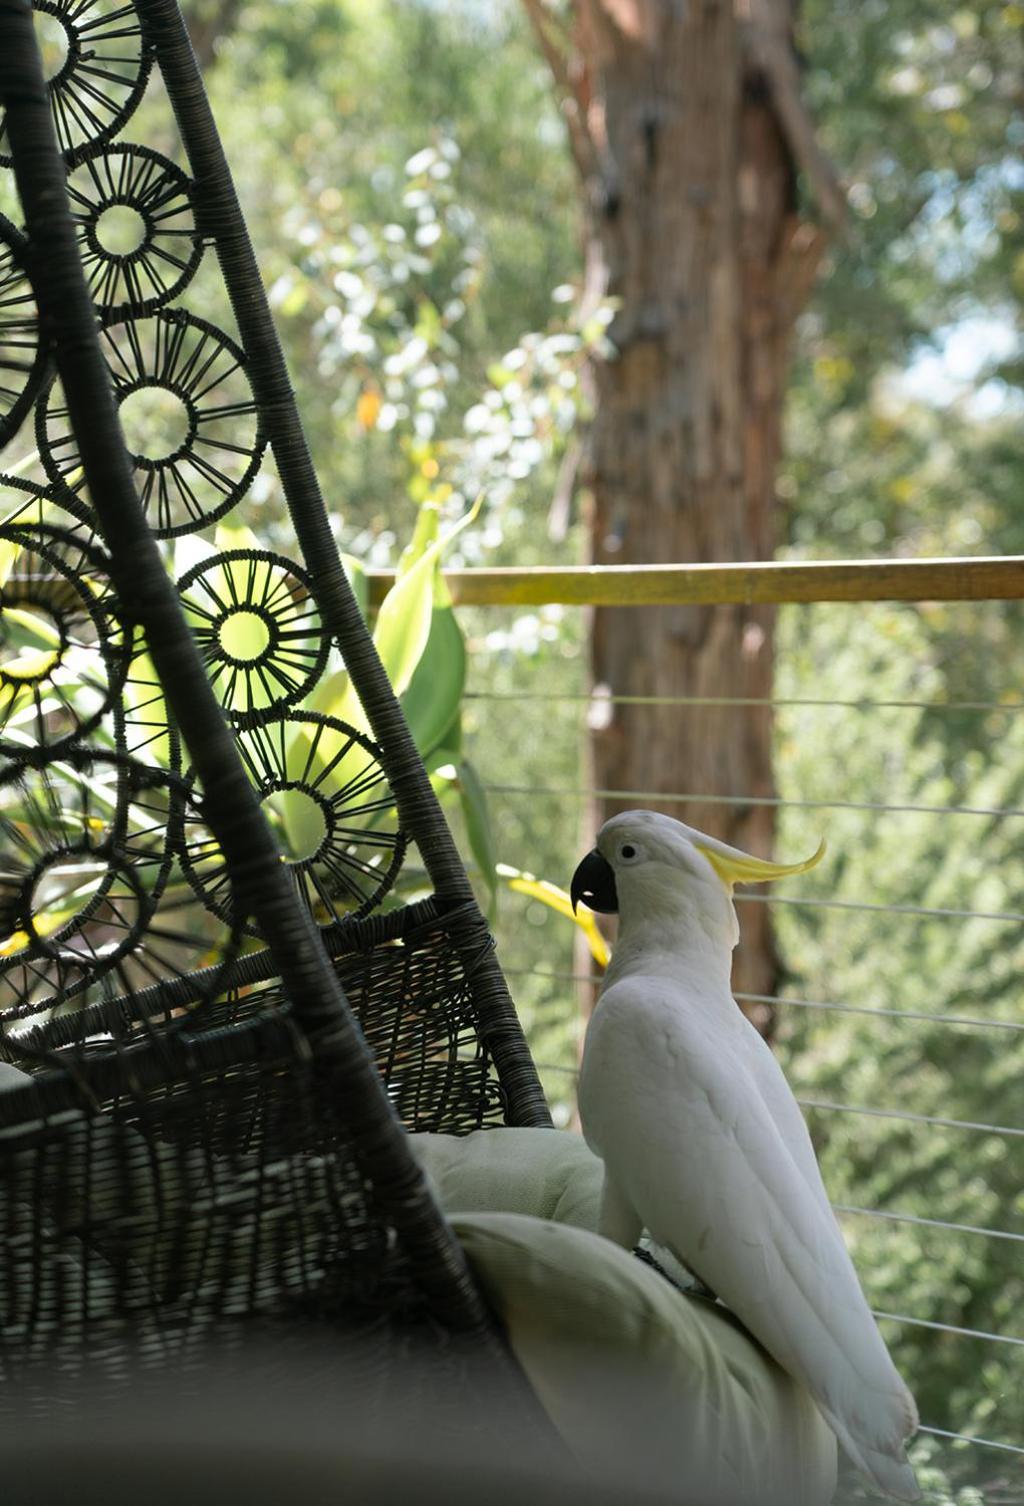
point(688, 1137)
point(778, 1099)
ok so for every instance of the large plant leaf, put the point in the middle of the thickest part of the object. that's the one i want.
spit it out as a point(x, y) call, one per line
point(403, 622)
point(477, 816)
point(355, 571)
point(402, 634)
point(424, 535)
point(433, 701)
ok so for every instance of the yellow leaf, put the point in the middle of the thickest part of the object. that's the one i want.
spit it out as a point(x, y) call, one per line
point(557, 899)
point(16, 942)
point(368, 407)
point(9, 551)
point(31, 664)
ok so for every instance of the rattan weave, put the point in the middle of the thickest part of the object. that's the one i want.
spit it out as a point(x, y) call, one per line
point(224, 1047)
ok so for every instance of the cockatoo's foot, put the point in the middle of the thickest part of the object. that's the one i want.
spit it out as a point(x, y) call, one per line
point(701, 1289)
point(695, 1287)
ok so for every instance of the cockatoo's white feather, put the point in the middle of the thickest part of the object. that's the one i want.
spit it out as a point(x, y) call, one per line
point(705, 1146)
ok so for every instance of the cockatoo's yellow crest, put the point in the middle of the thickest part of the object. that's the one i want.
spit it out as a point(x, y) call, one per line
point(735, 867)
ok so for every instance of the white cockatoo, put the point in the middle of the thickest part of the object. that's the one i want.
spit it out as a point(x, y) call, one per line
point(703, 1143)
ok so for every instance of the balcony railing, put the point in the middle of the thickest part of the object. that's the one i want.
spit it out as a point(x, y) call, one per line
point(932, 1215)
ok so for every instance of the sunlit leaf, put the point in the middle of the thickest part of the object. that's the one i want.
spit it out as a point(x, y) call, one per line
point(9, 551)
point(235, 536)
point(424, 534)
point(557, 900)
point(402, 630)
point(402, 634)
point(146, 713)
point(403, 622)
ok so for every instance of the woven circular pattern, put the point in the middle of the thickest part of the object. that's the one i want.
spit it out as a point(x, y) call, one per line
point(188, 415)
point(145, 726)
point(27, 505)
point(136, 229)
point(256, 621)
point(97, 64)
point(325, 793)
point(22, 352)
point(63, 654)
point(87, 843)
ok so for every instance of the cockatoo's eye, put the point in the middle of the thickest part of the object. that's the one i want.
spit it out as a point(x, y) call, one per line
point(628, 853)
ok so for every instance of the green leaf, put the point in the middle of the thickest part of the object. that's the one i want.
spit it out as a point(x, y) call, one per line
point(35, 640)
point(475, 812)
point(428, 521)
point(403, 622)
point(25, 629)
point(16, 467)
point(429, 325)
point(402, 630)
point(229, 536)
point(432, 702)
point(402, 633)
point(356, 574)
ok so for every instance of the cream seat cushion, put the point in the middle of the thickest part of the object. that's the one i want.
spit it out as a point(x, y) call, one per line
point(645, 1383)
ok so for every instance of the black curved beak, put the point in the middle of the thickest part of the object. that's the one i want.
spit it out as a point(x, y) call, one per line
point(594, 884)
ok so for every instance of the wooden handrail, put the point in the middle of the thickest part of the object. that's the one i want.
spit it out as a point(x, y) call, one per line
point(986, 579)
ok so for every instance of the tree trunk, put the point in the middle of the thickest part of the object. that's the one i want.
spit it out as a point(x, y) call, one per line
point(689, 175)
point(208, 21)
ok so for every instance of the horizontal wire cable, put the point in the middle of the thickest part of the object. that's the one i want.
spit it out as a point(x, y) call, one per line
point(826, 1106)
point(970, 1021)
point(878, 1213)
point(774, 801)
point(1010, 1448)
point(925, 911)
point(904, 1318)
point(739, 701)
point(930, 1223)
point(888, 1014)
point(964, 1333)
point(936, 1119)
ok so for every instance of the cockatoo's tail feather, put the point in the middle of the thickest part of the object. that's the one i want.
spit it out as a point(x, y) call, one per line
point(890, 1471)
point(704, 1142)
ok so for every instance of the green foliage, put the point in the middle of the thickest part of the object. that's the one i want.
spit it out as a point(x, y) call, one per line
point(401, 198)
point(878, 964)
point(405, 178)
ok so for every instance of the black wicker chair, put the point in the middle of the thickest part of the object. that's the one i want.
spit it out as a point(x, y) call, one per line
point(223, 1048)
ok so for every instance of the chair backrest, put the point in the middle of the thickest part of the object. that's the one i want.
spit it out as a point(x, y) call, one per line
point(223, 1036)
